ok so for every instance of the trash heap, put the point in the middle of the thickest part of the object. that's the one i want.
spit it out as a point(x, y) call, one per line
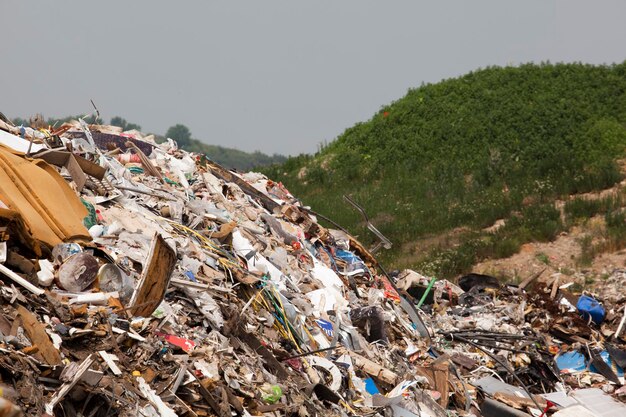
point(142, 280)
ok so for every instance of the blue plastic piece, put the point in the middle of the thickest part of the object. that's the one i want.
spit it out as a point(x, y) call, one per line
point(353, 261)
point(370, 386)
point(590, 307)
point(190, 276)
point(327, 327)
point(575, 362)
point(572, 361)
point(347, 256)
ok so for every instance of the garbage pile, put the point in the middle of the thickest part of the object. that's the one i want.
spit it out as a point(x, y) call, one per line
point(142, 280)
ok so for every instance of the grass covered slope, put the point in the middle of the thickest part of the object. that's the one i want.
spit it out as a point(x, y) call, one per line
point(462, 153)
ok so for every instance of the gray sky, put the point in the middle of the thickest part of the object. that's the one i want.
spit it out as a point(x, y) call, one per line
point(275, 76)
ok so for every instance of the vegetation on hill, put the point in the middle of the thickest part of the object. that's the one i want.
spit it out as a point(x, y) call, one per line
point(229, 157)
point(498, 143)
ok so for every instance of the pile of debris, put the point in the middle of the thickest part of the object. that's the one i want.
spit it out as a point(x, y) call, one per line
point(142, 280)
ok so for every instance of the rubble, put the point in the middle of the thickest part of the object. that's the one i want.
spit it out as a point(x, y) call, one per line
point(142, 280)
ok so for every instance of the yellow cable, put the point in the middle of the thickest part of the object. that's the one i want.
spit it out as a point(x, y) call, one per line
point(206, 244)
point(345, 404)
point(293, 339)
point(309, 334)
point(203, 238)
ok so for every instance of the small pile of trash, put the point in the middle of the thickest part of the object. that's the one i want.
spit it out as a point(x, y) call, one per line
point(139, 279)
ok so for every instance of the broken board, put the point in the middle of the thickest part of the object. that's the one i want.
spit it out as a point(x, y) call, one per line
point(155, 278)
point(437, 374)
point(38, 336)
point(77, 166)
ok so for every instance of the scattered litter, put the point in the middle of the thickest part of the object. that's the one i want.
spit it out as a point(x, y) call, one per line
point(140, 279)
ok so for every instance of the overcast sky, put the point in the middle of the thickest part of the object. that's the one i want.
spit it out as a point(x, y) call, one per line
point(275, 76)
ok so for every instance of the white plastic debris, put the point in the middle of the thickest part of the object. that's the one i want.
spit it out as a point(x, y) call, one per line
point(45, 276)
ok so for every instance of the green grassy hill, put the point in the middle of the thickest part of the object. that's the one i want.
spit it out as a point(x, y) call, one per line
point(448, 159)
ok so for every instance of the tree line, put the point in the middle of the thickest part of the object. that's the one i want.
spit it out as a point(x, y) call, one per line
point(229, 157)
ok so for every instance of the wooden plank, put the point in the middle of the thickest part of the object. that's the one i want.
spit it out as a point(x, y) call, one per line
point(5, 325)
point(90, 168)
point(145, 161)
point(464, 361)
point(155, 278)
point(555, 286)
point(76, 172)
point(437, 374)
point(61, 158)
point(219, 406)
point(149, 394)
point(110, 362)
point(362, 251)
point(530, 279)
point(519, 402)
point(374, 369)
point(228, 176)
point(66, 387)
point(257, 346)
point(38, 336)
point(440, 371)
point(225, 230)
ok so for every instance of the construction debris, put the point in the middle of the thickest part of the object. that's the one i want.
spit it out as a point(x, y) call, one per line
point(142, 280)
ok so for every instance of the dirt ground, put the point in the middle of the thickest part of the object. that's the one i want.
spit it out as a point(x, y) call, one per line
point(564, 254)
point(561, 256)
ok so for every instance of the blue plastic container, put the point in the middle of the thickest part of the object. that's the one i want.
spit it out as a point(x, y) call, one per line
point(590, 307)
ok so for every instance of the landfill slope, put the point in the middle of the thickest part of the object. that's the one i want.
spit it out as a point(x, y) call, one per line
point(167, 285)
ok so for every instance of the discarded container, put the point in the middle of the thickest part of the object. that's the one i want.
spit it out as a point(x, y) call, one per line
point(112, 278)
point(77, 272)
point(62, 251)
point(590, 307)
